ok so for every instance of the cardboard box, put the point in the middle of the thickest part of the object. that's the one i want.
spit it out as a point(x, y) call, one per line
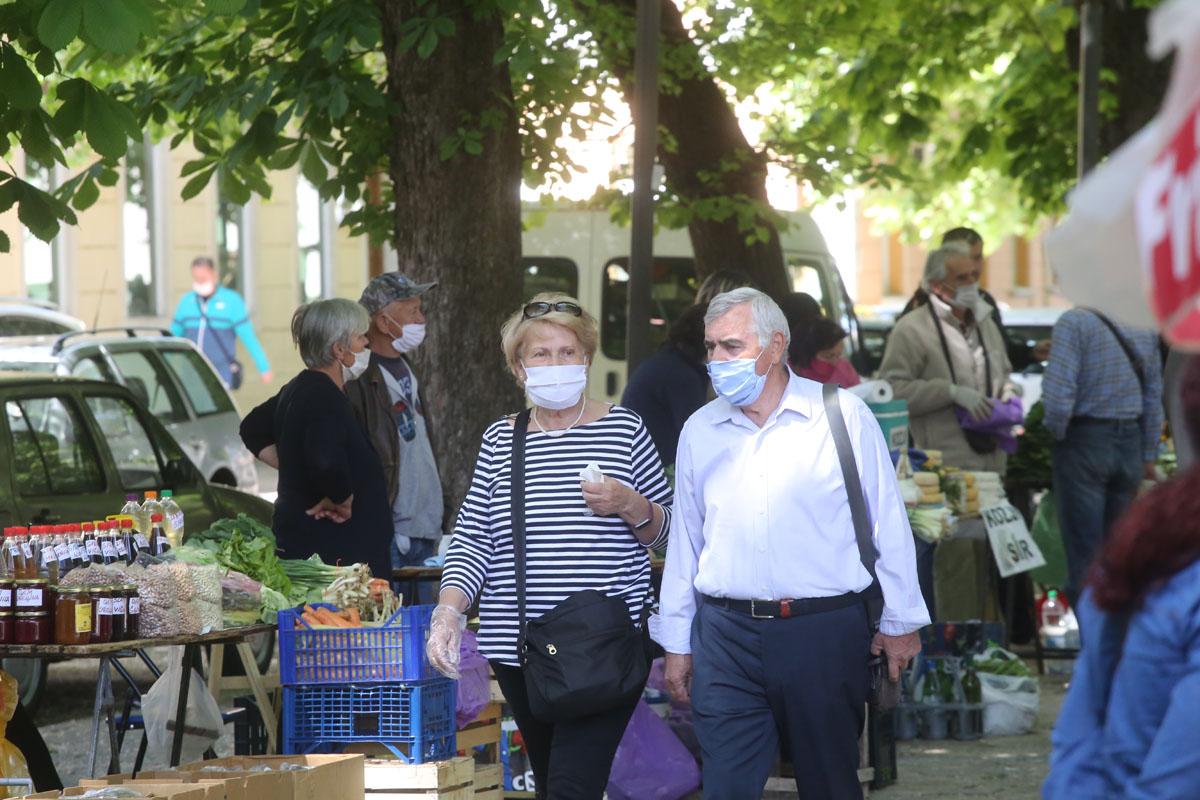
point(238, 786)
point(328, 777)
point(391, 779)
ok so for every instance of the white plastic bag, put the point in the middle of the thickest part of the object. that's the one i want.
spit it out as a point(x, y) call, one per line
point(203, 726)
point(1010, 704)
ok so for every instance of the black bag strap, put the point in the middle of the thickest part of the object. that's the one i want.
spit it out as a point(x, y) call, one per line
point(517, 518)
point(203, 303)
point(1135, 360)
point(987, 361)
point(858, 505)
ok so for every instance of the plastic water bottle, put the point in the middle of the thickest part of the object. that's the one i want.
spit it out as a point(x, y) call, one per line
point(1053, 631)
point(133, 510)
point(172, 518)
point(150, 507)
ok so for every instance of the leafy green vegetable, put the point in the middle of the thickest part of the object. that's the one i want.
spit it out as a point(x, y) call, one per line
point(1030, 466)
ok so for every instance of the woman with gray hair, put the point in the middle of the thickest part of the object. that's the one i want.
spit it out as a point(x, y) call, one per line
point(332, 497)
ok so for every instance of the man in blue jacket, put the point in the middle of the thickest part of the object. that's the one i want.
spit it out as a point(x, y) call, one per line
point(214, 317)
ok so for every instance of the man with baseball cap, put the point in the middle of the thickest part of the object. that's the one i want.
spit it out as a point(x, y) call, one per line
point(386, 399)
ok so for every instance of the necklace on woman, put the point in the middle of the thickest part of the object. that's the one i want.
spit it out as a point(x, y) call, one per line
point(556, 433)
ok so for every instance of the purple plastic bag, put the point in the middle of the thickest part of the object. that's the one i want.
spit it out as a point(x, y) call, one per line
point(1004, 418)
point(473, 683)
point(651, 762)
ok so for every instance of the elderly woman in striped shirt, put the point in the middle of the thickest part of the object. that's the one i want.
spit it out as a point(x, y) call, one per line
point(579, 534)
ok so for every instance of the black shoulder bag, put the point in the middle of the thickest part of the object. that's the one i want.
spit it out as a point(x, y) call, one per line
point(884, 693)
point(585, 656)
point(982, 443)
point(237, 372)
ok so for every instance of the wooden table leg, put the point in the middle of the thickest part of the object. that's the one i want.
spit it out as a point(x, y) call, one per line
point(266, 709)
point(185, 682)
point(216, 669)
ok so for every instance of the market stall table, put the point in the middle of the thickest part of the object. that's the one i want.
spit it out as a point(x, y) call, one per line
point(109, 652)
point(411, 578)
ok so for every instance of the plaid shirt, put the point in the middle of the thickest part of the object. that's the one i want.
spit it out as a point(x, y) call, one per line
point(1089, 375)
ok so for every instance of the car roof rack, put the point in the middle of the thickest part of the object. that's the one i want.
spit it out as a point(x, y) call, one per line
point(129, 330)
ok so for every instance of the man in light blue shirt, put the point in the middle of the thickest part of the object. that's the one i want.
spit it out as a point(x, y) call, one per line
point(763, 617)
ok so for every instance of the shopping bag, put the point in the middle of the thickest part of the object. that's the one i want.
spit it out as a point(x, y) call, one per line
point(1048, 536)
point(651, 763)
point(1010, 693)
point(203, 726)
point(472, 681)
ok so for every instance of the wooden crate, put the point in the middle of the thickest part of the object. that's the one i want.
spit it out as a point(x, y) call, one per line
point(489, 782)
point(392, 779)
point(485, 732)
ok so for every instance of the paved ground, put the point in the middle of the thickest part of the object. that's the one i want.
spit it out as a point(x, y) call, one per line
point(1011, 767)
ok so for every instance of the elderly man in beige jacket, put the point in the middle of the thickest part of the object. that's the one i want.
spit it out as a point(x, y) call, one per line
point(950, 352)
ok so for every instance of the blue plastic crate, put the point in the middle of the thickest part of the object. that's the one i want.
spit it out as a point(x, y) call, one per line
point(413, 720)
point(394, 651)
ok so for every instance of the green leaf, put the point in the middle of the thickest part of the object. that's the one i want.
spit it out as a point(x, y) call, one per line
point(338, 102)
point(107, 176)
point(113, 25)
point(311, 165)
point(428, 43)
point(71, 115)
point(197, 183)
point(5, 245)
point(59, 23)
point(45, 62)
point(36, 212)
point(87, 194)
point(225, 7)
point(107, 123)
point(17, 81)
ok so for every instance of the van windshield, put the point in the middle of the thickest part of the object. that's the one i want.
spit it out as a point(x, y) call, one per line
point(673, 289)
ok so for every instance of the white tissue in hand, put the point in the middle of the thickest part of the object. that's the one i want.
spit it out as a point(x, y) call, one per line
point(591, 473)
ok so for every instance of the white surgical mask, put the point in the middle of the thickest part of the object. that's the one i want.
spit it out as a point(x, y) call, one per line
point(556, 387)
point(362, 359)
point(204, 289)
point(410, 338)
point(966, 297)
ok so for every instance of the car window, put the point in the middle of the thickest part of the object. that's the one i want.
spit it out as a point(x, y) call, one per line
point(806, 277)
point(52, 451)
point(672, 291)
point(203, 388)
point(150, 383)
point(30, 326)
point(549, 274)
point(132, 448)
point(91, 367)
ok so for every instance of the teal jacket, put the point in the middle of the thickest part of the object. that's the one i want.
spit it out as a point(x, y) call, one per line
point(215, 326)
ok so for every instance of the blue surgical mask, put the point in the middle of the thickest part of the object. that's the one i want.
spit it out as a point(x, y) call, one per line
point(736, 381)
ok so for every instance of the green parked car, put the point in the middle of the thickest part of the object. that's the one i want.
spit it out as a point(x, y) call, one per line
point(71, 449)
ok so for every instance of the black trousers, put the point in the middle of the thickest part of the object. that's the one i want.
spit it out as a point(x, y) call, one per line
point(570, 760)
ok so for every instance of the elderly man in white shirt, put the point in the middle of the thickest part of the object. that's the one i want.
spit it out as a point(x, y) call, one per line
point(764, 618)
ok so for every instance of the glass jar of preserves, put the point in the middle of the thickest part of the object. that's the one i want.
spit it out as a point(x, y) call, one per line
point(73, 615)
point(119, 611)
point(32, 628)
point(31, 594)
point(101, 614)
point(133, 611)
point(7, 625)
point(7, 601)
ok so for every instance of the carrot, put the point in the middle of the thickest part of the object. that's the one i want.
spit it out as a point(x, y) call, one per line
point(310, 618)
point(327, 617)
point(355, 617)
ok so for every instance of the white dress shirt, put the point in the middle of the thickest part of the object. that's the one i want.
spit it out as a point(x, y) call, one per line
point(762, 514)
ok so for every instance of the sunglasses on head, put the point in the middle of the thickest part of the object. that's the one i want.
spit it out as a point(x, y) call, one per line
point(541, 309)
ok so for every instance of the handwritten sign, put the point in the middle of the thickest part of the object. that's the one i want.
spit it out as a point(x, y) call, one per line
point(1013, 547)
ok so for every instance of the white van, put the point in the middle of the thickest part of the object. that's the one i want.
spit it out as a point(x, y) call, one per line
point(584, 254)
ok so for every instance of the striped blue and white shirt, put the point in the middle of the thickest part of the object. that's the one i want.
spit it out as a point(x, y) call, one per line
point(1089, 375)
point(567, 550)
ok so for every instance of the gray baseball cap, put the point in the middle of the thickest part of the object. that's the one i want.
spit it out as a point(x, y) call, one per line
point(389, 287)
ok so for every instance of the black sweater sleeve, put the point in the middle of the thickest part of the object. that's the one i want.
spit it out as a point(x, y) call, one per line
point(258, 428)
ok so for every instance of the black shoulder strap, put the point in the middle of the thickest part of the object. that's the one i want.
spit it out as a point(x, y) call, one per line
point(987, 362)
point(517, 518)
point(1135, 361)
point(203, 304)
point(858, 506)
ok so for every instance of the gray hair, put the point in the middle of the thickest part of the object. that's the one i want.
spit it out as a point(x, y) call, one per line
point(768, 317)
point(935, 263)
point(318, 326)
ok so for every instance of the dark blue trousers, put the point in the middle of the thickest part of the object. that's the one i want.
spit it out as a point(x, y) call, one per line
point(1096, 470)
point(757, 682)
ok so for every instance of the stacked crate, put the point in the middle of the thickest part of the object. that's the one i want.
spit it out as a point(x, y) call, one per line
point(370, 684)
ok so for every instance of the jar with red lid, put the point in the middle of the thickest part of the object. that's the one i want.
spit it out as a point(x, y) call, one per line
point(101, 615)
point(7, 628)
point(32, 628)
point(32, 595)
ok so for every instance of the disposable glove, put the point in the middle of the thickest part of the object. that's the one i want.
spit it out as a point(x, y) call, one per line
point(445, 636)
point(975, 403)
